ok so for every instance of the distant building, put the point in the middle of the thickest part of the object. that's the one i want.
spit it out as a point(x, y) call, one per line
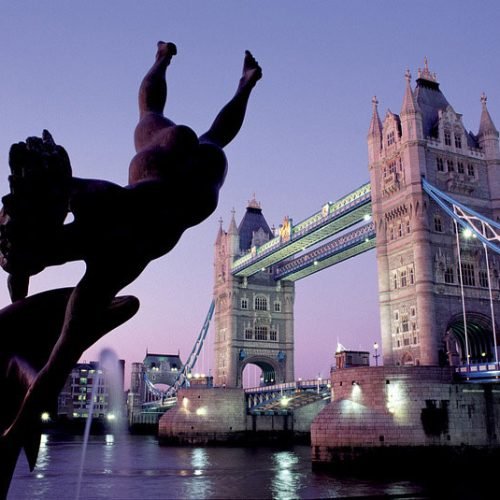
point(349, 359)
point(76, 396)
point(155, 369)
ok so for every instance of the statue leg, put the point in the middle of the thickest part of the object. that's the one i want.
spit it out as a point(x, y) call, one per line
point(229, 120)
point(153, 97)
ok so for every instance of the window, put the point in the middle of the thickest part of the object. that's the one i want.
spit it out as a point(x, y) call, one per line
point(396, 315)
point(470, 169)
point(483, 279)
point(458, 141)
point(447, 138)
point(395, 278)
point(406, 341)
point(468, 274)
point(413, 313)
point(451, 166)
point(403, 278)
point(390, 138)
point(277, 307)
point(438, 227)
point(440, 164)
point(391, 233)
point(248, 334)
point(261, 333)
point(460, 167)
point(392, 167)
point(412, 276)
point(400, 229)
point(273, 335)
point(448, 276)
point(244, 303)
point(260, 303)
point(408, 226)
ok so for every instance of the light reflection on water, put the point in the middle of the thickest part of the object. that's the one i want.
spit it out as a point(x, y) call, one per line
point(135, 467)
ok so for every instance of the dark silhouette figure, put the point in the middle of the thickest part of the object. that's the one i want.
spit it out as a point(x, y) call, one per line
point(174, 183)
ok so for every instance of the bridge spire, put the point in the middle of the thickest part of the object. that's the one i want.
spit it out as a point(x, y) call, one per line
point(486, 125)
point(409, 104)
point(375, 129)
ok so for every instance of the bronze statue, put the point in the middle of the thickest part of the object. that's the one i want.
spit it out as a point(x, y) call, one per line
point(174, 183)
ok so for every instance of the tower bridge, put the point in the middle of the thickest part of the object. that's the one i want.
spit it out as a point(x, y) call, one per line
point(431, 210)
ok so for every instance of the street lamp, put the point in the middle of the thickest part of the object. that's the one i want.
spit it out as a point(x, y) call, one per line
point(376, 355)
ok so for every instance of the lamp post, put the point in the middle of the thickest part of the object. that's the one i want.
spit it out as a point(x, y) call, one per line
point(376, 355)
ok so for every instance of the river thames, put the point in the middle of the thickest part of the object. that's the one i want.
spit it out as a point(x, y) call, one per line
point(135, 467)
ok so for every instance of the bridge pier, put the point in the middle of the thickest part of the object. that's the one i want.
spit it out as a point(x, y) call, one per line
point(384, 414)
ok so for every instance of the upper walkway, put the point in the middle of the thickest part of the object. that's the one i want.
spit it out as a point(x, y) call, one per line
point(293, 239)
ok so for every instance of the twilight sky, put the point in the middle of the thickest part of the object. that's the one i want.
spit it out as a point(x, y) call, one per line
point(75, 67)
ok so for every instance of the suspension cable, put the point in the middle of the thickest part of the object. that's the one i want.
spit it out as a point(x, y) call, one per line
point(467, 357)
point(493, 326)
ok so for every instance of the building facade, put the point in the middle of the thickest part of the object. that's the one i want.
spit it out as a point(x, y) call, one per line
point(253, 315)
point(88, 380)
point(423, 264)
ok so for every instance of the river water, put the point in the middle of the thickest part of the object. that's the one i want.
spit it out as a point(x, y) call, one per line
point(135, 467)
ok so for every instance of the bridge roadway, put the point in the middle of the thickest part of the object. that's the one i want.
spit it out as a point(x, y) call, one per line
point(293, 239)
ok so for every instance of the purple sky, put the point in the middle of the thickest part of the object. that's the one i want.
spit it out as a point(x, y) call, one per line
point(75, 67)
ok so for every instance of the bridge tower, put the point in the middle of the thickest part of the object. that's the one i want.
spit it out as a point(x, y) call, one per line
point(254, 315)
point(420, 277)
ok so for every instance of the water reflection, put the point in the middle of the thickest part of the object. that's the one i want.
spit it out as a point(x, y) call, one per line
point(287, 480)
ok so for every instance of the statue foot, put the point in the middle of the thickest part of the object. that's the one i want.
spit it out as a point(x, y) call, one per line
point(166, 50)
point(252, 72)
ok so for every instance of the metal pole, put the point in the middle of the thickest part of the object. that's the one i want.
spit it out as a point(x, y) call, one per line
point(467, 359)
point(493, 327)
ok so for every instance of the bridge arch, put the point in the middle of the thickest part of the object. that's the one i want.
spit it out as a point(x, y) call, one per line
point(272, 372)
point(479, 338)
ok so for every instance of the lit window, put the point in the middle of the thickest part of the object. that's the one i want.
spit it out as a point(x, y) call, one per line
point(458, 141)
point(440, 164)
point(244, 303)
point(260, 303)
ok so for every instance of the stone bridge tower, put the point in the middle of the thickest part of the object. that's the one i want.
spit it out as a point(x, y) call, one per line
point(422, 319)
point(254, 315)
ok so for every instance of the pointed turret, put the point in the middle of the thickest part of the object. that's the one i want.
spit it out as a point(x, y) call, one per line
point(409, 104)
point(488, 134)
point(220, 233)
point(253, 223)
point(233, 236)
point(411, 117)
point(486, 125)
point(374, 133)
